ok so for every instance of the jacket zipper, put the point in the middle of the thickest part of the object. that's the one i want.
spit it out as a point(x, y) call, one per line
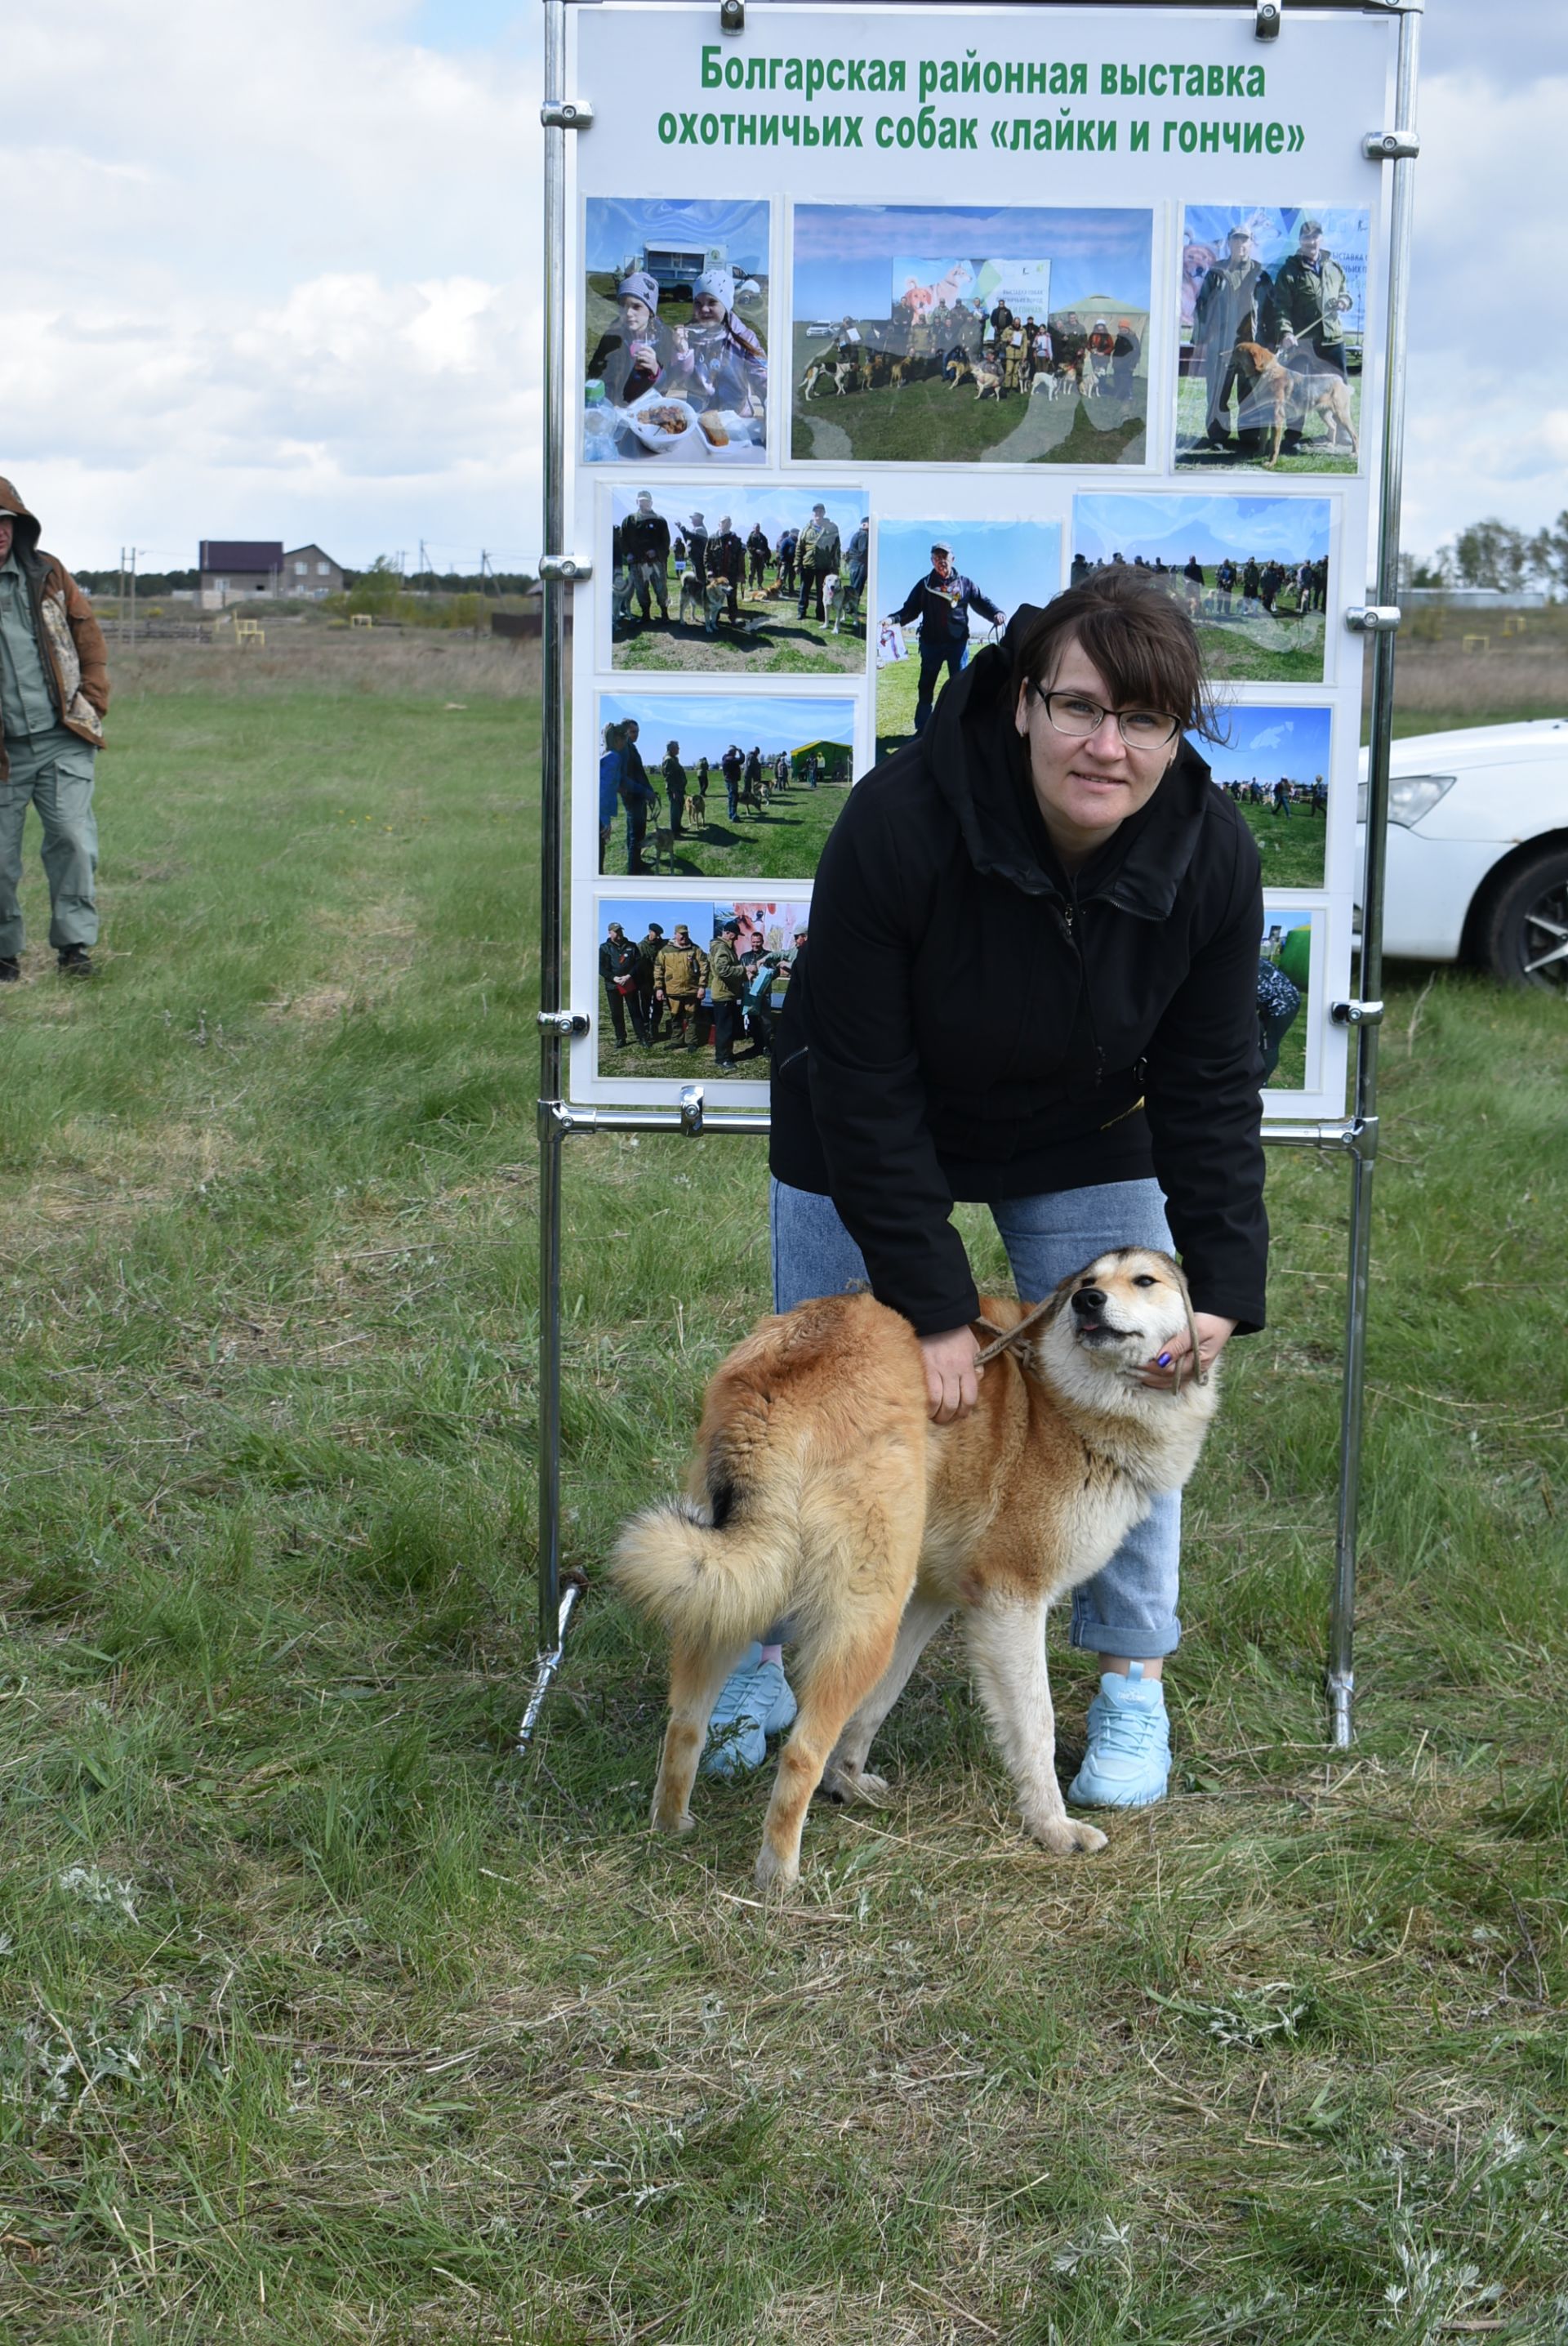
point(1068, 911)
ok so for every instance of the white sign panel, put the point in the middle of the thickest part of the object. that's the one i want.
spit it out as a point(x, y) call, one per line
point(874, 309)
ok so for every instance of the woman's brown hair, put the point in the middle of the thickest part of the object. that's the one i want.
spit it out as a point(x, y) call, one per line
point(1128, 623)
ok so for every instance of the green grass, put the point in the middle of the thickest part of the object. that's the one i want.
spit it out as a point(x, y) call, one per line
point(931, 421)
point(1291, 847)
point(777, 642)
point(782, 843)
point(322, 2018)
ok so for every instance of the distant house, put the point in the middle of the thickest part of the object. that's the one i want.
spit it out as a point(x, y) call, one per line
point(310, 574)
point(234, 569)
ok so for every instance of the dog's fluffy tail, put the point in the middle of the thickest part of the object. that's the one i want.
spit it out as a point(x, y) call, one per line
point(713, 1579)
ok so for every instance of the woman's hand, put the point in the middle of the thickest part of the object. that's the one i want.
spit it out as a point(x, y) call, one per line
point(1212, 1337)
point(952, 1378)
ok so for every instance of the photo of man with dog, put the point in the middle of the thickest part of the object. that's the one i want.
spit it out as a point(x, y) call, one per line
point(1274, 765)
point(697, 983)
point(768, 582)
point(792, 760)
point(1251, 572)
point(675, 315)
point(947, 589)
point(948, 334)
point(1273, 317)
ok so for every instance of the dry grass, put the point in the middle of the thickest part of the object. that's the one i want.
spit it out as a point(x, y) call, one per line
point(420, 663)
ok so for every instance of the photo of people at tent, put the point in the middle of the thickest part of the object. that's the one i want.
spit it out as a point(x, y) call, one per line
point(674, 314)
point(1273, 313)
point(1274, 764)
point(711, 785)
point(945, 588)
point(1252, 572)
point(954, 334)
point(770, 582)
point(690, 988)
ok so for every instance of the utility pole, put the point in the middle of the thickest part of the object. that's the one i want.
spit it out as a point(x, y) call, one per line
point(133, 555)
point(426, 568)
point(486, 572)
point(120, 596)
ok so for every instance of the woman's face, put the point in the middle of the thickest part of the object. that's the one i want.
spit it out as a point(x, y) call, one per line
point(707, 309)
point(1086, 788)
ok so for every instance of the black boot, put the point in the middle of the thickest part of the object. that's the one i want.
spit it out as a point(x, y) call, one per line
point(10, 970)
point(75, 961)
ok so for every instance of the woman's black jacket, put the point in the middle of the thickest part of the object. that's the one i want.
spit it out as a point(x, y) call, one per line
point(969, 1023)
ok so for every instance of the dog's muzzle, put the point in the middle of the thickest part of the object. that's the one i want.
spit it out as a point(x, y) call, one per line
point(1089, 1313)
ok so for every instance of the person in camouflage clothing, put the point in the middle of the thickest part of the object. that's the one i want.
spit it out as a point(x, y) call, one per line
point(680, 973)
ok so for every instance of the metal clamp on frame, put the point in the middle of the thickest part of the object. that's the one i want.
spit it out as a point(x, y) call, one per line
point(1356, 1014)
point(1374, 618)
point(1267, 24)
point(564, 1022)
point(691, 1110)
point(566, 114)
point(1390, 146)
point(564, 569)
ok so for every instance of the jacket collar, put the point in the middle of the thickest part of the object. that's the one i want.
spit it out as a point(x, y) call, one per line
point(980, 767)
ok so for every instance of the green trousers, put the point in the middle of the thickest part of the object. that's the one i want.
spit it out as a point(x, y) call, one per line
point(54, 772)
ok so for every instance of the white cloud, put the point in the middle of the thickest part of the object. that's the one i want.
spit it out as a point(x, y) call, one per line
point(289, 286)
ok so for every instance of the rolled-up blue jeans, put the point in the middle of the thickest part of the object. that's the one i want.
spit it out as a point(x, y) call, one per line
point(1128, 1609)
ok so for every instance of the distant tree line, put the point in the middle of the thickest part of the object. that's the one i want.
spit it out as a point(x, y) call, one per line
point(1494, 554)
point(150, 584)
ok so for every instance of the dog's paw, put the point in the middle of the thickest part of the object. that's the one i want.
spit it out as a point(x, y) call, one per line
point(1067, 1837)
point(664, 1822)
point(858, 1784)
point(775, 1873)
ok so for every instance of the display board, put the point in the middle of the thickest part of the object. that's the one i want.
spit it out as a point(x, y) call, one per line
point(990, 297)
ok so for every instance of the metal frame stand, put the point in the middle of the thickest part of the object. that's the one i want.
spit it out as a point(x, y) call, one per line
point(559, 569)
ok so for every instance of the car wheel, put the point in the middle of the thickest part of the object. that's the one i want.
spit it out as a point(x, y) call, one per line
point(1524, 932)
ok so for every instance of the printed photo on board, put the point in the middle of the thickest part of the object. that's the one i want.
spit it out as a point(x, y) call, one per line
point(718, 785)
point(675, 313)
point(690, 988)
point(1273, 313)
point(946, 587)
point(1275, 766)
point(956, 335)
point(1284, 986)
point(769, 582)
point(1253, 572)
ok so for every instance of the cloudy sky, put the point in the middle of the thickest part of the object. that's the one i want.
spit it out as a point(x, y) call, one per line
point(284, 281)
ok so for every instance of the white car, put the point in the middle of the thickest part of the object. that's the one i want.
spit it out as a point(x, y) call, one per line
point(1478, 849)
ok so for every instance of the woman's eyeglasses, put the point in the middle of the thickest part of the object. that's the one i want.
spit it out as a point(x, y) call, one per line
point(1140, 729)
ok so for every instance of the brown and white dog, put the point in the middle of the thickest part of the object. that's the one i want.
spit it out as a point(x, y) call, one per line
point(821, 1492)
point(1280, 389)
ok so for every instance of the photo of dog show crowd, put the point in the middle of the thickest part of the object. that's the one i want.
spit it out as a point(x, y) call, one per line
point(1253, 571)
point(945, 588)
point(674, 314)
point(1275, 766)
point(766, 581)
point(689, 987)
point(955, 334)
point(717, 786)
point(1273, 311)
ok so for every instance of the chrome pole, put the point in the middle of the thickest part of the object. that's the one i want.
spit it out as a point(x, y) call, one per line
point(1342, 1613)
point(552, 787)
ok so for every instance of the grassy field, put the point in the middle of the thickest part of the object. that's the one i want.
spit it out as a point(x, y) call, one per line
point(1291, 847)
point(1315, 456)
point(933, 421)
point(323, 2019)
point(777, 641)
point(782, 843)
